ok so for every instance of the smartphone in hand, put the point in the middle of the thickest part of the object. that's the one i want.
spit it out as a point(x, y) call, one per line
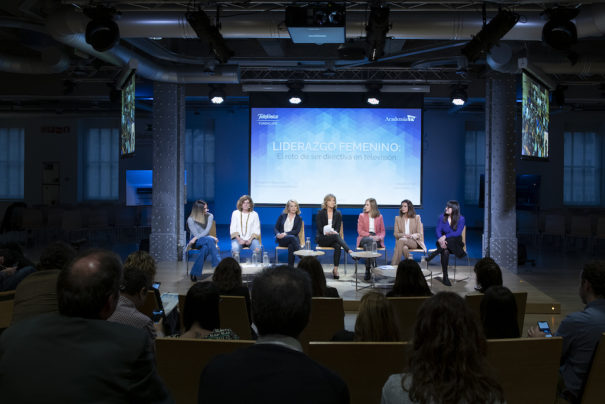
point(543, 326)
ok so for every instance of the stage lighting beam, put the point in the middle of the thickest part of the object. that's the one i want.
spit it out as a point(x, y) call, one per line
point(217, 95)
point(459, 96)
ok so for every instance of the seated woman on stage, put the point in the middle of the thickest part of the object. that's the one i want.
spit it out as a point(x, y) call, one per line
point(448, 358)
point(409, 281)
point(199, 224)
point(287, 228)
point(408, 232)
point(319, 288)
point(328, 222)
point(370, 228)
point(245, 225)
point(449, 237)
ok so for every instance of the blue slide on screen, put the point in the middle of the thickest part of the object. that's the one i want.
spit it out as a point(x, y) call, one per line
point(354, 153)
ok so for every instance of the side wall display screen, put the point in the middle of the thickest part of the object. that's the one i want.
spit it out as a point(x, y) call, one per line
point(127, 134)
point(535, 119)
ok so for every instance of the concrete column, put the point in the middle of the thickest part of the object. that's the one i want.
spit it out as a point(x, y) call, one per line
point(499, 237)
point(167, 227)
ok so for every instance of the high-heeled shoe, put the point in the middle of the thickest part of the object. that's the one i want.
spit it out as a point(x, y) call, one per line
point(193, 278)
point(432, 255)
point(336, 276)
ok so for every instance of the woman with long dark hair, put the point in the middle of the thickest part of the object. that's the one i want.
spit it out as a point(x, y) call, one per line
point(448, 361)
point(199, 224)
point(449, 237)
point(319, 288)
point(228, 280)
point(408, 232)
point(499, 313)
point(370, 229)
point(328, 222)
point(409, 281)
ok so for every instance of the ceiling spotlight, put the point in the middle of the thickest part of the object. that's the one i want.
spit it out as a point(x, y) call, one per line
point(559, 32)
point(373, 94)
point(205, 31)
point(458, 95)
point(102, 33)
point(376, 32)
point(217, 95)
point(490, 34)
point(295, 94)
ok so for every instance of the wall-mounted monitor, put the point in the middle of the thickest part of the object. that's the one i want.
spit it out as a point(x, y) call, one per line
point(535, 119)
point(353, 153)
point(127, 133)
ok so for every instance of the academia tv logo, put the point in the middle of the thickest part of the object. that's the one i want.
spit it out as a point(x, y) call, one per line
point(267, 117)
point(407, 118)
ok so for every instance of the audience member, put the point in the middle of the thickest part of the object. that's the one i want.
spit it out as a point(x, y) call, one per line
point(201, 316)
point(76, 356)
point(139, 273)
point(409, 281)
point(37, 293)
point(447, 362)
point(274, 370)
point(228, 280)
point(376, 320)
point(581, 332)
point(499, 313)
point(488, 274)
point(319, 287)
point(13, 268)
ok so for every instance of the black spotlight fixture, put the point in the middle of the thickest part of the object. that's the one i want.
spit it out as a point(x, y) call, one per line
point(458, 95)
point(295, 94)
point(373, 94)
point(217, 94)
point(376, 31)
point(200, 23)
point(490, 34)
point(102, 33)
point(559, 32)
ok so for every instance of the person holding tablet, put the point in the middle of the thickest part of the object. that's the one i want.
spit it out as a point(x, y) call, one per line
point(370, 229)
point(328, 222)
point(245, 226)
point(287, 228)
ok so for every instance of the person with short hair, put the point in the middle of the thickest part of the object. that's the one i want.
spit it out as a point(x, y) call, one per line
point(37, 293)
point(447, 362)
point(581, 332)
point(488, 273)
point(245, 226)
point(199, 223)
point(370, 229)
point(287, 227)
point(76, 356)
point(138, 275)
point(409, 281)
point(201, 314)
point(274, 369)
point(498, 312)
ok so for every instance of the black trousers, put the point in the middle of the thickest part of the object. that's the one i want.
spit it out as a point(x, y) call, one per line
point(334, 241)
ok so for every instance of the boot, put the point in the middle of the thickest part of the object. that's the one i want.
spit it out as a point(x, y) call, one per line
point(368, 275)
point(446, 279)
point(432, 255)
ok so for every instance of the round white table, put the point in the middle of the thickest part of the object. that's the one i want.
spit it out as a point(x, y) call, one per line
point(357, 255)
point(308, 253)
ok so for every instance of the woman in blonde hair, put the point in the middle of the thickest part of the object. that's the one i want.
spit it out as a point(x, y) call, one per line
point(245, 225)
point(286, 229)
point(328, 222)
point(376, 320)
point(370, 228)
point(199, 224)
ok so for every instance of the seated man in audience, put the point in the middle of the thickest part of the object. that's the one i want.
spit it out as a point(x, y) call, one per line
point(274, 370)
point(37, 293)
point(76, 356)
point(139, 272)
point(581, 332)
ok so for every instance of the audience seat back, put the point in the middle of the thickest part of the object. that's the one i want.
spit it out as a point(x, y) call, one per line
point(327, 318)
point(406, 310)
point(7, 300)
point(364, 366)
point(234, 314)
point(527, 368)
point(180, 362)
point(594, 391)
point(474, 303)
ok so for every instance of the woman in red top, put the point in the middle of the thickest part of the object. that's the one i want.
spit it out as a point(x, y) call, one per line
point(370, 228)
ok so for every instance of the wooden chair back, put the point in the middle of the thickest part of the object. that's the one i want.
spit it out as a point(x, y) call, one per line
point(327, 318)
point(301, 234)
point(526, 368)
point(7, 302)
point(474, 303)
point(234, 314)
point(180, 362)
point(406, 310)
point(594, 390)
point(364, 366)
